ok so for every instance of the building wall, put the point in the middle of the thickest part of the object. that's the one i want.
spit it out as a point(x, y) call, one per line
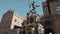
point(16, 20)
point(13, 31)
point(54, 17)
point(9, 20)
point(6, 20)
point(45, 9)
point(52, 5)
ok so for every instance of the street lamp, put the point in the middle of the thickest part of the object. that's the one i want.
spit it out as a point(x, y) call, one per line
point(50, 33)
point(33, 30)
point(17, 30)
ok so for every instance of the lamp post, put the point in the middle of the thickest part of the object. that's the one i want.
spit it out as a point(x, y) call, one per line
point(33, 30)
point(50, 33)
point(17, 30)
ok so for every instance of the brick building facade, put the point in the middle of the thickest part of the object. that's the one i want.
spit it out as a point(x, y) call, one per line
point(10, 22)
point(51, 18)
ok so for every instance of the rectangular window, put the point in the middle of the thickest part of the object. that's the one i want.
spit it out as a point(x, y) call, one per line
point(58, 10)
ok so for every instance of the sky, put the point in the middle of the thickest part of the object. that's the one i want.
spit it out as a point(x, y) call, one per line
point(20, 6)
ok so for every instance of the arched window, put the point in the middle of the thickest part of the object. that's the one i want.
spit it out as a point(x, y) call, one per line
point(31, 20)
point(58, 9)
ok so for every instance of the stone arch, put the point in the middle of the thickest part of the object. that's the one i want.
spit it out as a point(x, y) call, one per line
point(48, 31)
point(31, 20)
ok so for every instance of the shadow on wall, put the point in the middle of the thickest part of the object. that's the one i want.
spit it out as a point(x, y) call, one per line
point(49, 31)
